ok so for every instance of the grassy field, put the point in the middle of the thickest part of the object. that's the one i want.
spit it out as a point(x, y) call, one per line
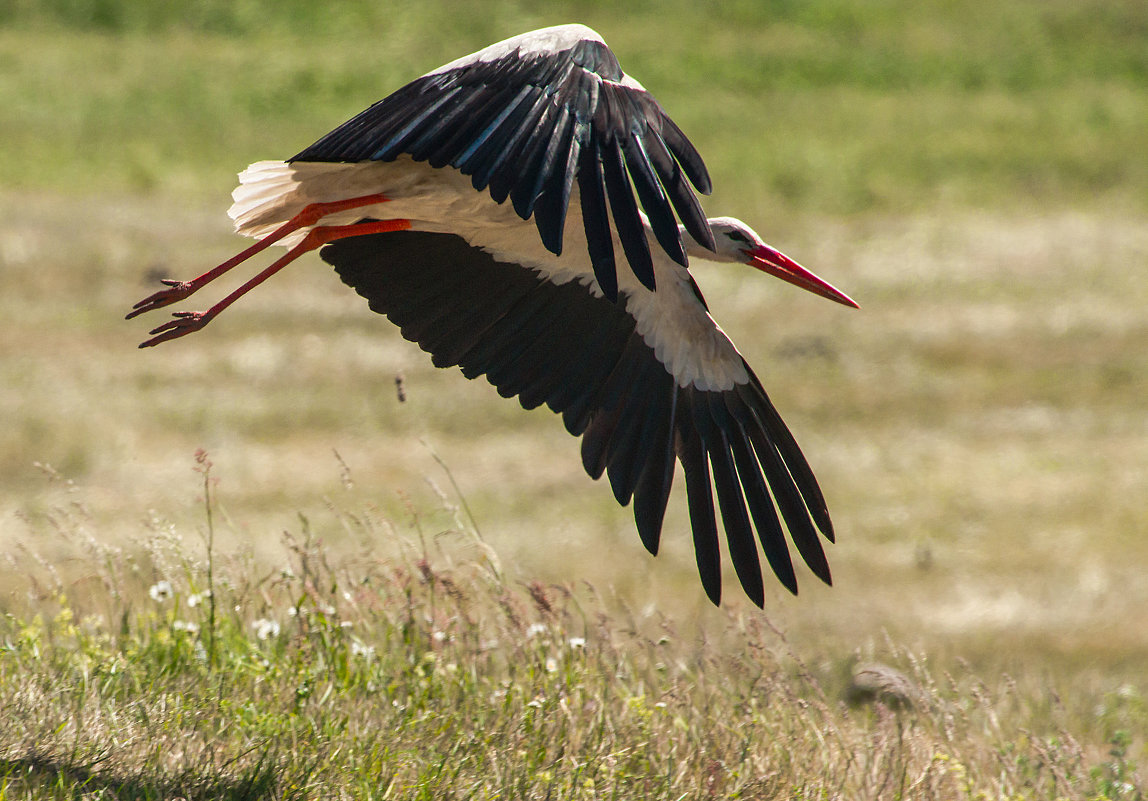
point(432, 677)
point(972, 175)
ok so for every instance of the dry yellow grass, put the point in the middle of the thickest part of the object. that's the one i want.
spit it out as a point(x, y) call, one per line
point(428, 676)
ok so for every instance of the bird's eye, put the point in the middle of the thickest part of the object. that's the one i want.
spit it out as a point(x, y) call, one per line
point(738, 236)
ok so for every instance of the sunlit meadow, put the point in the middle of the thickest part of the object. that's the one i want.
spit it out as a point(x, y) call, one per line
point(364, 596)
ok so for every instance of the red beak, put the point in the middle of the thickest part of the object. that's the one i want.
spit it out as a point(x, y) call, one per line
point(778, 264)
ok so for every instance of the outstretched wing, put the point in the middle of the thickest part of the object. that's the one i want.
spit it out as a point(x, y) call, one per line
point(581, 355)
point(526, 118)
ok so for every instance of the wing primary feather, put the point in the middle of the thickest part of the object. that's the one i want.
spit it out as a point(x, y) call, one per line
point(626, 451)
point(397, 141)
point(553, 146)
point(475, 160)
point(627, 220)
point(653, 489)
point(526, 184)
point(636, 440)
point(686, 155)
point(503, 170)
point(572, 400)
point(439, 142)
point(345, 142)
point(652, 439)
point(620, 384)
point(681, 195)
point(549, 207)
point(712, 421)
point(539, 150)
point(738, 533)
point(792, 509)
point(653, 199)
point(596, 440)
point(596, 220)
point(699, 496)
point(510, 170)
point(431, 136)
point(601, 390)
point(608, 408)
point(550, 212)
point(765, 519)
point(481, 108)
point(755, 396)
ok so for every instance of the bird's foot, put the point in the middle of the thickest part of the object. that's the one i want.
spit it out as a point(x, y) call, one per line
point(187, 322)
point(175, 292)
point(183, 324)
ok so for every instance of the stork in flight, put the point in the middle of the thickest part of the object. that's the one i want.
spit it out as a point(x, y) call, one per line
point(408, 202)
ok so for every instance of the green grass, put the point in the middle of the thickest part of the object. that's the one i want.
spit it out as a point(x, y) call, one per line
point(971, 173)
point(167, 669)
point(838, 106)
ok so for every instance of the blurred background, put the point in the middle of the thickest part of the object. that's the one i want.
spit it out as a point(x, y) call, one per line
point(974, 174)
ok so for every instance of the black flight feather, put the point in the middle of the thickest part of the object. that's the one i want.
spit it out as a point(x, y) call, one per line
point(525, 124)
point(562, 345)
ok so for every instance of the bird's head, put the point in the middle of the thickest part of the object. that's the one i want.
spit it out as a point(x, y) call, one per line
point(736, 242)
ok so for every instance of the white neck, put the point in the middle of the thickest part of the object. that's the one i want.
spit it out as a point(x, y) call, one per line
point(695, 250)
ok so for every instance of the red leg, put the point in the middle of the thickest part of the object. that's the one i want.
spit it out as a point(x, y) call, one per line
point(187, 322)
point(311, 214)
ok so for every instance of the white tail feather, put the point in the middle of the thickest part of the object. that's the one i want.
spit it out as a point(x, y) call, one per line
point(263, 199)
point(272, 192)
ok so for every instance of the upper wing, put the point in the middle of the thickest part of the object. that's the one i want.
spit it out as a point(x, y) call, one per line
point(529, 116)
point(580, 354)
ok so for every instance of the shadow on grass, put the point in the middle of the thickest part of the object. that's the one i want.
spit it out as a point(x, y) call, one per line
point(66, 779)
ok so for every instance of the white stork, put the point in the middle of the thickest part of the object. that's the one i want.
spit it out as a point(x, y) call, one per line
point(409, 199)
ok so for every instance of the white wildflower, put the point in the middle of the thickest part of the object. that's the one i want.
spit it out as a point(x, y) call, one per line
point(536, 629)
point(265, 628)
point(161, 591)
point(551, 665)
point(577, 642)
point(196, 598)
point(365, 651)
point(186, 625)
